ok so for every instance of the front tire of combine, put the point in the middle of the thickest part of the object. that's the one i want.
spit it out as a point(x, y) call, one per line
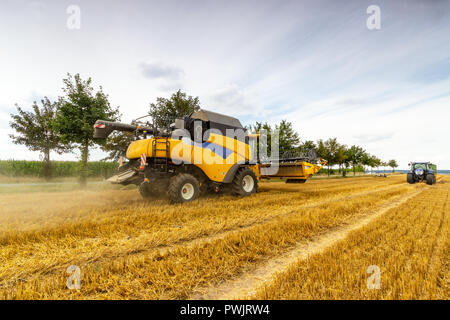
point(410, 178)
point(431, 179)
point(155, 189)
point(144, 190)
point(183, 187)
point(244, 183)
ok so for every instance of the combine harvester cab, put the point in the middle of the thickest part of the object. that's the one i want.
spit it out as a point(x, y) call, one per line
point(205, 151)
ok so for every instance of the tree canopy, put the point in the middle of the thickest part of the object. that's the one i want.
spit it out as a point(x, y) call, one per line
point(329, 150)
point(117, 144)
point(36, 130)
point(289, 139)
point(355, 156)
point(78, 110)
point(393, 164)
point(165, 111)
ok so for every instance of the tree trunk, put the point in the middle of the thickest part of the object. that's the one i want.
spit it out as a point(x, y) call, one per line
point(47, 165)
point(328, 170)
point(354, 170)
point(84, 164)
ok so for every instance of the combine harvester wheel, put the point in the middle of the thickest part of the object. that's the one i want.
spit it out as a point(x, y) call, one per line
point(184, 187)
point(244, 182)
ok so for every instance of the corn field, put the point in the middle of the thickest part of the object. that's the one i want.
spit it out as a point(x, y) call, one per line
point(25, 168)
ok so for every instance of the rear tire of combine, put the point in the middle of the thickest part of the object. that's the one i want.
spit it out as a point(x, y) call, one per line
point(184, 187)
point(431, 179)
point(244, 183)
point(410, 178)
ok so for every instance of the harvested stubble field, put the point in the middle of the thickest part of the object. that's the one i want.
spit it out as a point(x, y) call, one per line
point(313, 240)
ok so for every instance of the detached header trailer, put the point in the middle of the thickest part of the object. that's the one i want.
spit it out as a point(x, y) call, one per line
point(208, 158)
point(422, 172)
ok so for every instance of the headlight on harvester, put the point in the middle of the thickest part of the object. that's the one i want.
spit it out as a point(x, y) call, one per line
point(419, 172)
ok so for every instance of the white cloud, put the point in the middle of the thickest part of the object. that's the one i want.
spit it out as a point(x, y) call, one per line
point(168, 77)
point(232, 100)
point(161, 71)
point(372, 137)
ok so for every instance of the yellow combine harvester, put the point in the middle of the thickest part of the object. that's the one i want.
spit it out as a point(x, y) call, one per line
point(205, 151)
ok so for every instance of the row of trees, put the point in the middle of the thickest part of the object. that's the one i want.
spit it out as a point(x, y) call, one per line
point(63, 125)
point(67, 124)
point(345, 157)
point(335, 153)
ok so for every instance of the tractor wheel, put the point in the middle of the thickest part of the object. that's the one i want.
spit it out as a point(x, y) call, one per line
point(244, 183)
point(410, 178)
point(184, 187)
point(431, 179)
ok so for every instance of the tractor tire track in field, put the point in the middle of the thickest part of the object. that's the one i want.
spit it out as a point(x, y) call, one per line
point(163, 248)
point(247, 284)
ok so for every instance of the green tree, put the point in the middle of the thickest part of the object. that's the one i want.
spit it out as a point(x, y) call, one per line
point(289, 139)
point(384, 165)
point(393, 164)
point(374, 162)
point(306, 146)
point(342, 158)
point(365, 161)
point(322, 152)
point(259, 126)
point(264, 144)
point(35, 129)
point(329, 151)
point(117, 144)
point(165, 111)
point(355, 156)
point(79, 109)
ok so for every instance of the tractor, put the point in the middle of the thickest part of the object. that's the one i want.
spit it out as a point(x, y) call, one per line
point(422, 172)
point(205, 151)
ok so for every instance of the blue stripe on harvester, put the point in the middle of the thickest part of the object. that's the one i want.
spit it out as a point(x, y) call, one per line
point(217, 149)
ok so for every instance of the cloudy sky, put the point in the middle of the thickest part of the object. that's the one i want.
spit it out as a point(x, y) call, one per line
point(314, 63)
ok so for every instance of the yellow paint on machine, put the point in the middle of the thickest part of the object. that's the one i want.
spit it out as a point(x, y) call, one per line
point(215, 157)
point(215, 165)
point(291, 170)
